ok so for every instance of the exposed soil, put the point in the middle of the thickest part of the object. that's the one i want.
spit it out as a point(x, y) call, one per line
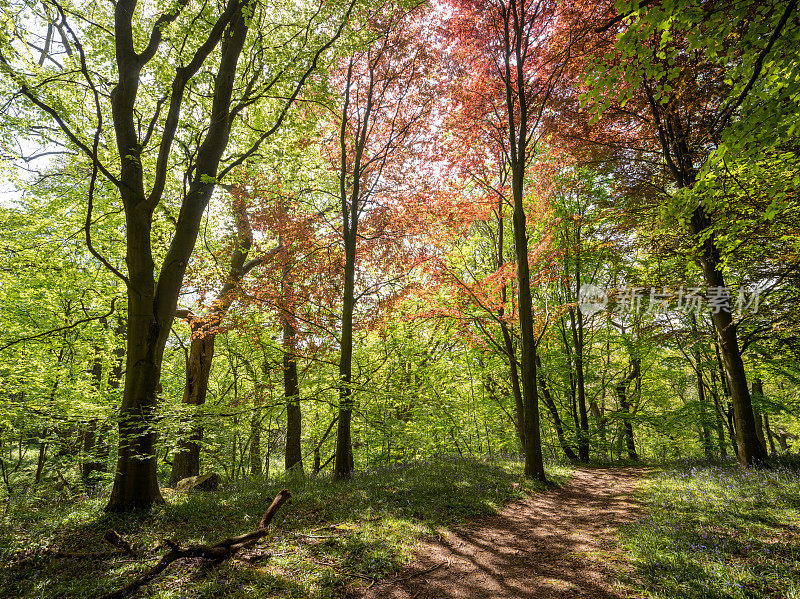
point(556, 543)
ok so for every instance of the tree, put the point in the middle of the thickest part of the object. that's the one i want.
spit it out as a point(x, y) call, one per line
point(384, 104)
point(145, 156)
point(514, 55)
point(204, 329)
point(684, 92)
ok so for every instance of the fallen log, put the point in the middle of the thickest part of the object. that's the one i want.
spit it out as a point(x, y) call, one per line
point(216, 553)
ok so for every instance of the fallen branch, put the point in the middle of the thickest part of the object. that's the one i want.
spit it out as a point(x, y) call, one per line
point(111, 536)
point(216, 553)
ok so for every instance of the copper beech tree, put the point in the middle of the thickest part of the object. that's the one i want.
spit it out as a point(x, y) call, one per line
point(385, 101)
point(295, 286)
point(512, 56)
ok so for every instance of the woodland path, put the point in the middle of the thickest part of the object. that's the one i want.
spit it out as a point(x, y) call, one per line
point(556, 543)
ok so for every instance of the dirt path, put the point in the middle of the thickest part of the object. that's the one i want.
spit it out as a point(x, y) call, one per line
point(557, 543)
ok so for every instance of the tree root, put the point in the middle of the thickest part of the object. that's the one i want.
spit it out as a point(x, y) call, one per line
point(216, 553)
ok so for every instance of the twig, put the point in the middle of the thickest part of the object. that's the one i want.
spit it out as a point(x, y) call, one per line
point(299, 535)
point(216, 553)
point(348, 572)
point(428, 571)
point(111, 536)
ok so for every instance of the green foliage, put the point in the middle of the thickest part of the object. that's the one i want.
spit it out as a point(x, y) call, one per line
point(366, 526)
point(718, 532)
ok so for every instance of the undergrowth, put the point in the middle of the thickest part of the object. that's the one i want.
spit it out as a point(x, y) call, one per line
point(718, 531)
point(330, 536)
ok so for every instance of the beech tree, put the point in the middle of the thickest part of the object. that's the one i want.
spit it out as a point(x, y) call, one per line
point(683, 77)
point(204, 328)
point(514, 55)
point(200, 50)
point(384, 102)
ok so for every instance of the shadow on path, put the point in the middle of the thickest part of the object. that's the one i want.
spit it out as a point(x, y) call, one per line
point(555, 543)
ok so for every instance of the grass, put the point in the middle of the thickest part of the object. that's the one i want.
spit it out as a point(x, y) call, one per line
point(328, 534)
point(718, 531)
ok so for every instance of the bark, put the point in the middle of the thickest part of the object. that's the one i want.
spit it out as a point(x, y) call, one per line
point(152, 302)
point(40, 460)
point(551, 406)
point(343, 461)
point(622, 390)
point(732, 428)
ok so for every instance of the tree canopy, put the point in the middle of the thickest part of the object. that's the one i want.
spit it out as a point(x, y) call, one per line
point(322, 236)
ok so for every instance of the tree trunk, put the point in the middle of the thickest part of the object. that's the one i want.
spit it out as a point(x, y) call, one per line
point(508, 343)
point(342, 464)
point(551, 406)
point(40, 460)
point(186, 461)
point(749, 449)
point(135, 481)
point(256, 420)
point(758, 394)
point(576, 324)
point(705, 434)
point(151, 302)
point(291, 387)
point(769, 434)
point(729, 421)
point(723, 453)
point(293, 457)
point(622, 389)
point(534, 465)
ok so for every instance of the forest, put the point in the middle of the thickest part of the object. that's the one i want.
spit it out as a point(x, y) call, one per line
point(400, 264)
